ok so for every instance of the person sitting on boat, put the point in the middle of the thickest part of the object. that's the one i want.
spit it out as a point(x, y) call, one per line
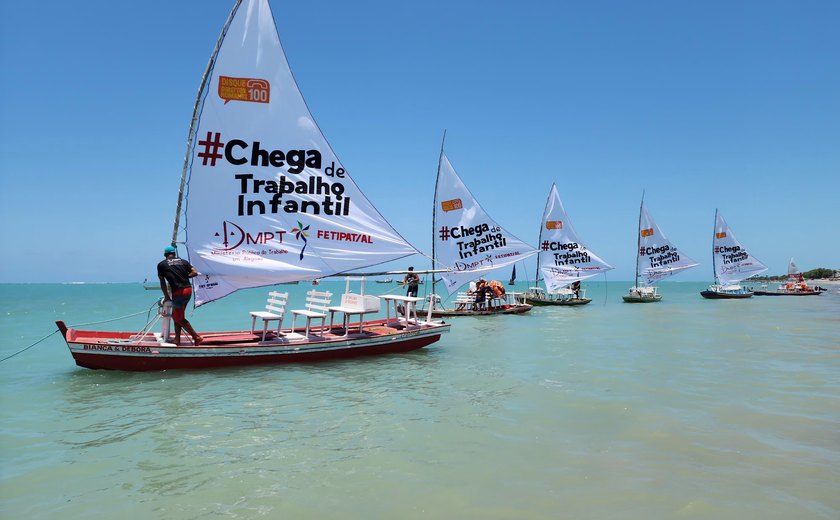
point(413, 282)
point(496, 291)
point(177, 273)
point(497, 288)
point(480, 292)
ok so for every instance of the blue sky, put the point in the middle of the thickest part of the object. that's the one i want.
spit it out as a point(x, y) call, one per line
point(704, 105)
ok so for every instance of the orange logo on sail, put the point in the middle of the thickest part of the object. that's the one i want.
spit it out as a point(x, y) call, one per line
point(450, 205)
point(244, 89)
point(553, 224)
point(647, 232)
point(720, 235)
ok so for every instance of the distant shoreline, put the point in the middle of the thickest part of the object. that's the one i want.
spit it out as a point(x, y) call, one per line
point(785, 278)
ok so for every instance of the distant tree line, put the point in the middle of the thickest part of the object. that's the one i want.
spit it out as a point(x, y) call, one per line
point(820, 272)
point(813, 274)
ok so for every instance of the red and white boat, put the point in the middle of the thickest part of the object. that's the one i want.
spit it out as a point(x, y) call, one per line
point(265, 201)
point(134, 351)
point(795, 286)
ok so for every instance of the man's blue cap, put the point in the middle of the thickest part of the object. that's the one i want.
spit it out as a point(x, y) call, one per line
point(169, 249)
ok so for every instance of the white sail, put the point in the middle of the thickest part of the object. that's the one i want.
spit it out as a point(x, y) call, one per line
point(732, 261)
point(658, 258)
point(563, 258)
point(268, 200)
point(466, 239)
point(792, 269)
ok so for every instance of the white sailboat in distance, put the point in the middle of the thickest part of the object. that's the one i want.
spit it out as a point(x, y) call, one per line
point(731, 264)
point(469, 244)
point(657, 258)
point(563, 260)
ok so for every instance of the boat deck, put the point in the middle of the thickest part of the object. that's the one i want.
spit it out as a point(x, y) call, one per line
point(504, 309)
point(246, 337)
point(133, 352)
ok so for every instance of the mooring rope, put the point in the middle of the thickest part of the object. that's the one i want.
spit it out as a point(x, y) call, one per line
point(29, 347)
point(147, 312)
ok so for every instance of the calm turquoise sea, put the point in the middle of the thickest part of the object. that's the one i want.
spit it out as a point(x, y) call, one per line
point(687, 408)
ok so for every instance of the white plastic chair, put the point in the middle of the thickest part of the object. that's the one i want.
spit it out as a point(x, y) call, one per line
point(275, 309)
point(317, 305)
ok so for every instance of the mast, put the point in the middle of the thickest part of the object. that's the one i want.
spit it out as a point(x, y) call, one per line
point(434, 213)
point(714, 236)
point(210, 64)
point(539, 239)
point(639, 237)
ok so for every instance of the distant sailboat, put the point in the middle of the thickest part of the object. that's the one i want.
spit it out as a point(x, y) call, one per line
point(469, 244)
point(657, 258)
point(512, 280)
point(795, 286)
point(792, 269)
point(731, 263)
point(563, 260)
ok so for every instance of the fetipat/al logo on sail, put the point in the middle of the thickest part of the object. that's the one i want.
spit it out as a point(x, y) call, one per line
point(252, 90)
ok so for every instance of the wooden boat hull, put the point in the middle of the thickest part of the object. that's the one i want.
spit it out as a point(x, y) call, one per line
point(505, 309)
point(717, 295)
point(544, 302)
point(125, 351)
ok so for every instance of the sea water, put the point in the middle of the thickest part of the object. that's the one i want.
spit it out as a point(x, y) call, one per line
point(686, 408)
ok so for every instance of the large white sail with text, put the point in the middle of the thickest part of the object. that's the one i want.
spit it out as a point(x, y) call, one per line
point(658, 258)
point(563, 258)
point(466, 239)
point(268, 201)
point(732, 261)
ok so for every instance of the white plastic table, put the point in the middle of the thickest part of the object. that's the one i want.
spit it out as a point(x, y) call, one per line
point(409, 307)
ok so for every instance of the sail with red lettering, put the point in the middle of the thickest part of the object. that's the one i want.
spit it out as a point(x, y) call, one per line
point(657, 257)
point(267, 199)
point(563, 259)
point(466, 240)
point(732, 262)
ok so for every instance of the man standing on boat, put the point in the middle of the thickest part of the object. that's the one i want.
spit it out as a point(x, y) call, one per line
point(413, 282)
point(177, 273)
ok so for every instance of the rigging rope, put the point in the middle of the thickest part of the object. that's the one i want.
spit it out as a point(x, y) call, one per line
point(77, 325)
point(606, 288)
point(84, 325)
